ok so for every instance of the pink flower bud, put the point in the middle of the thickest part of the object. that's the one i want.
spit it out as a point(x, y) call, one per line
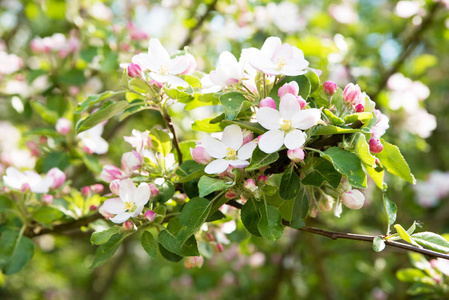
point(314, 212)
point(85, 191)
point(359, 108)
point(63, 126)
point(209, 237)
point(154, 191)
point(114, 186)
point(248, 136)
point(25, 187)
point(250, 185)
point(351, 93)
point(193, 261)
point(156, 83)
point(92, 207)
point(47, 199)
point(98, 188)
point(128, 225)
point(200, 155)
point(220, 247)
point(353, 199)
point(330, 87)
point(74, 90)
point(289, 88)
point(150, 215)
point(296, 155)
point(134, 70)
point(131, 161)
point(43, 140)
point(111, 172)
point(375, 146)
point(58, 177)
point(33, 147)
point(301, 101)
point(230, 194)
point(267, 102)
point(377, 161)
point(262, 179)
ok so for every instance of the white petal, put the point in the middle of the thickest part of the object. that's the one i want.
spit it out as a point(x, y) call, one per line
point(217, 166)
point(142, 195)
point(157, 55)
point(178, 64)
point(238, 163)
point(270, 46)
point(247, 150)
point(120, 218)
point(269, 118)
point(127, 190)
point(288, 106)
point(305, 119)
point(232, 137)
point(137, 211)
point(114, 206)
point(101, 146)
point(214, 147)
point(271, 141)
point(294, 139)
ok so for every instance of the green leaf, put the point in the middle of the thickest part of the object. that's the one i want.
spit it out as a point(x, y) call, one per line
point(261, 159)
point(106, 250)
point(193, 81)
point(94, 99)
point(300, 208)
point(139, 86)
point(290, 184)
point(59, 160)
point(377, 177)
point(337, 99)
point(189, 170)
point(233, 103)
point(363, 117)
point(202, 100)
point(254, 127)
point(42, 131)
point(410, 275)
point(378, 244)
point(403, 234)
point(5, 203)
point(431, 240)
point(46, 114)
point(47, 214)
point(362, 150)
point(391, 211)
point(149, 244)
point(270, 224)
point(72, 77)
point(193, 215)
point(304, 86)
point(101, 237)
point(331, 129)
point(206, 126)
point(208, 185)
point(166, 191)
point(170, 256)
point(250, 216)
point(323, 171)
point(392, 159)
point(185, 147)
point(161, 141)
point(333, 118)
point(103, 114)
point(15, 251)
point(181, 96)
point(347, 164)
point(313, 79)
point(169, 239)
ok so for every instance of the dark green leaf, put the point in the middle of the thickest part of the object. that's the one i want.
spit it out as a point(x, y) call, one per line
point(290, 184)
point(170, 256)
point(5, 203)
point(304, 86)
point(300, 208)
point(233, 103)
point(47, 214)
point(15, 251)
point(313, 79)
point(106, 250)
point(72, 77)
point(323, 171)
point(189, 170)
point(94, 99)
point(261, 159)
point(149, 244)
point(46, 114)
point(59, 160)
point(209, 185)
point(250, 216)
point(193, 215)
point(103, 114)
point(254, 127)
point(102, 237)
point(166, 191)
point(270, 223)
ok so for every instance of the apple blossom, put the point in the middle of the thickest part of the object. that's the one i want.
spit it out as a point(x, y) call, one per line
point(85, 191)
point(9, 63)
point(57, 176)
point(380, 127)
point(228, 71)
point(250, 185)
point(63, 126)
point(114, 186)
point(353, 199)
point(292, 88)
point(162, 68)
point(139, 140)
point(131, 161)
point(47, 199)
point(267, 102)
point(154, 190)
point(330, 87)
point(111, 172)
point(98, 188)
point(296, 155)
point(230, 194)
point(130, 202)
point(17, 180)
point(193, 261)
point(150, 215)
point(230, 151)
point(285, 126)
point(92, 140)
point(262, 179)
point(275, 58)
point(128, 225)
point(351, 93)
point(200, 155)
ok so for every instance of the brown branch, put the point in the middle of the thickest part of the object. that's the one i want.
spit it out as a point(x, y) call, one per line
point(171, 127)
point(192, 31)
point(410, 45)
point(352, 236)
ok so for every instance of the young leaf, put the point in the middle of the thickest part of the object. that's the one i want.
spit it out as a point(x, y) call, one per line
point(391, 211)
point(161, 141)
point(15, 251)
point(403, 234)
point(331, 129)
point(362, 150)
point(363, 117)
point(103, 114)
point(313, 79)
point(392, 159)
point(250, 216)
point(377, 177)
point(208, 185)
point(149, 244)
point(47, 214)
point(105, 251)
point(378, 244)
point(270, 223)
point(254, 127)
point(290, 184)
point(347, 164)
point(181, 96)
point(233, 103)
point(333, 118)
point(206, 125)
point(202, 100)
point(323, 171)
point(261, 159)
point(94, 99)
point(410, 275)
point(431, 240)
point(102, 237)
point(46, 114)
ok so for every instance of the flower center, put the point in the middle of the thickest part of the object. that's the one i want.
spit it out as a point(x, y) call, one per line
point(164, 69)
point(281, 62)
point(286, 125)
point(230, 153)
point(130, 206)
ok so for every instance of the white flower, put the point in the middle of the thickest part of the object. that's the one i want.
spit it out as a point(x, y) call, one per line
point(93, 141)
point(131, 201)
point(230, 151)
point(139, 140)
point(275, 58)
point(285, 126)
point(163, 68)
point(228, 72)
point(27, 180)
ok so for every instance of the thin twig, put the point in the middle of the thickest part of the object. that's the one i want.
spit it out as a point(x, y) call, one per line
point(171, 127)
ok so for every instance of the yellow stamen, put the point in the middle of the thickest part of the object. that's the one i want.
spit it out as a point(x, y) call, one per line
point(164, 69)
point(130, 206)
point(281, 62)
point(286, 125)
point(230, 153)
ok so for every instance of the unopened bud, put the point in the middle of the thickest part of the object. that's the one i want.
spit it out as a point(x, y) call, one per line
point(250, 185)
point(92, 207)
point(33, 147)
point(262, 179)
point(248, 136)
point(209, 237)
point(154, 191)
point(220, 247)
point(200, 155)
point(128, 225)
point(85, 191)
point(63, 126)
point(296, 155)
point(134, 70)
point(359, 108)
point(47, 199)
point(375, 146)
point(132, 161)
point(98, 188)
point(193, 261)
point(289, 88)
point(267, 102)
point(330, 87)
point(110, 173)
point(58, 177)
point(114, 186)
point(351, 93)
point(326, 203)
point(230, 194)
point(353, 199)
point(150, 215)
point(314, 212)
